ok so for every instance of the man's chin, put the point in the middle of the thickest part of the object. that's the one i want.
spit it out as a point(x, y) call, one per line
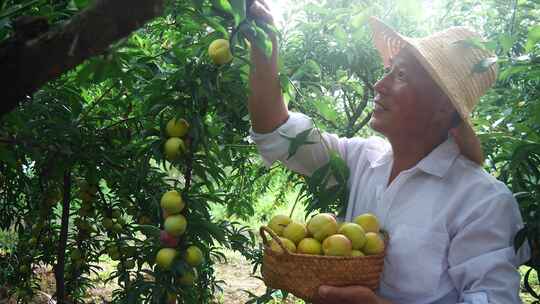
point(375, 125)
point(378, 126)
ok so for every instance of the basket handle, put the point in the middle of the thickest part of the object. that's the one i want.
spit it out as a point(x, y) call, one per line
point(266, 230)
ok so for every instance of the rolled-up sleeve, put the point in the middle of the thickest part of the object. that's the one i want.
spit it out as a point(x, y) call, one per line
point(482, 261)
point(309, 157)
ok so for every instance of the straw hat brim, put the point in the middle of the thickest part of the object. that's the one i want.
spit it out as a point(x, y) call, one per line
point(389, 42)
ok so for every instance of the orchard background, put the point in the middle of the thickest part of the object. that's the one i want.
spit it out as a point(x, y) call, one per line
point(82, 167)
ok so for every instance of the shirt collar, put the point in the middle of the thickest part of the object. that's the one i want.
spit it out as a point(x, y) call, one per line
point(435, 163)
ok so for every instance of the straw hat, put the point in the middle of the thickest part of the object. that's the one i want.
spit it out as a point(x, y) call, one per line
point(451, 64)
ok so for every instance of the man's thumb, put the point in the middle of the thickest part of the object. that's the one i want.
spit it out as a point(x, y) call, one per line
point(332, 293)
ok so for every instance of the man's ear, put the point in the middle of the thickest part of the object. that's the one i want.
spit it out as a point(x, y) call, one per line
point(444, 115)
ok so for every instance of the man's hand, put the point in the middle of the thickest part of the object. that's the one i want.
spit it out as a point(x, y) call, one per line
point(347, 295)
point(261, 11)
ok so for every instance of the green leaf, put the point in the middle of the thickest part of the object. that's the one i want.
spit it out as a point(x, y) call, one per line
point(339, 166)
point(505, 74)
point(484, 65)
point(359, 19)
point(238, 11)
point(325, 198)
point(258, 36)
point(284, 82)
point(7, 156)
point(217, 26)
point(262, 41)
point(506, 41)
point(532, 38)
point(215, 231)
point(318, 177)
point(223, 5)
point(81, 4)
point(150, 231)
point(340, 34)
point(326, 110)
point(527, 284)
point(298, 141)
point(471, 43)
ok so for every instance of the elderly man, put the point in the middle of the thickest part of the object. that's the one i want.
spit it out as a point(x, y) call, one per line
point(451, 224)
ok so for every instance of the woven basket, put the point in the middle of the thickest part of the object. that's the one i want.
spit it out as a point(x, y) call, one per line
point(302, 274)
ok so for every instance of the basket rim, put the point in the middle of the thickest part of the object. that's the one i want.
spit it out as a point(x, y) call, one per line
point(265, 229)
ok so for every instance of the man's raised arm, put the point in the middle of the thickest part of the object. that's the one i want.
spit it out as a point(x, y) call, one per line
point(266, 107)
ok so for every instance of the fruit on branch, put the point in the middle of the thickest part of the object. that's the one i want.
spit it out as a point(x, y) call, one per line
point(177, 128)
point(175, 225)
point(165, 258)
point(172, 202)
point(220, 51)
point(174, 148)
point(194, 256)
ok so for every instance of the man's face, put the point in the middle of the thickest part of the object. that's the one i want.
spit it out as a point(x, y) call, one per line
point(408, 103)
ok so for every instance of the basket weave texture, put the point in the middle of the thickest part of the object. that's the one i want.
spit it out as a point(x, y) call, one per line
point(302, 274)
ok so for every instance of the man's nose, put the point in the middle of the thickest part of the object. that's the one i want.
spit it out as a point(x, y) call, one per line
point(381, 86)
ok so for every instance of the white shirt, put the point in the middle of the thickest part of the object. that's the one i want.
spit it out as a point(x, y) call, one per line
point(451, 224)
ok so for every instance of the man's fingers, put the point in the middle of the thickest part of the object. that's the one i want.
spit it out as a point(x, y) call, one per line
point(260, 10)
point(344, 295)
point(263, 2)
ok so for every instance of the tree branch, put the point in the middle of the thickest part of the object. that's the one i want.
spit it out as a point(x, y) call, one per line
point(28, 65)
point(60, 266)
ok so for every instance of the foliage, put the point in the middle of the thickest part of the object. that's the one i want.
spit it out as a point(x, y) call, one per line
point(103, 125)
point(508, 118)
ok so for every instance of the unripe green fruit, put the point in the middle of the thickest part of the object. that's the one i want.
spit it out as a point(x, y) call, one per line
point(289, 245)
point(309, 246)
point(76, 254)
point(121, 221)
point(108, 223)
point(177, 128)
point(220, 52)
point(116, 214)
point(321, 226)
point(374, 244)
point(165, 258)
point(114, 253)
point(337, 245)
point(188, 278)
point(175, 225)
point(368, 221)
point(32, 242)
point(174, 148)
point(357, 253)
point(24, 268)
point(355, 233)
point(295, 232)
point(278, 223)
point(194, 256)
point(172, 202)
point(145, 220)
point(117, 228)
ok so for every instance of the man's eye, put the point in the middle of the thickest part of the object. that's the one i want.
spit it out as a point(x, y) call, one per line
point(401, 74)
point(387, 70)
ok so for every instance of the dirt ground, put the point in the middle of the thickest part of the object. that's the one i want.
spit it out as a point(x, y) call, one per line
point(236, 273)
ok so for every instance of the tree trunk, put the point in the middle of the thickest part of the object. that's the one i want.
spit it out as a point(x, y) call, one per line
point(26, 65)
